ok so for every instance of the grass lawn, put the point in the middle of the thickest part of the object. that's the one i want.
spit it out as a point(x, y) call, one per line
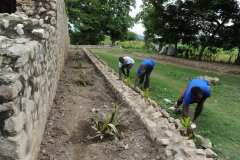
point(220, 120)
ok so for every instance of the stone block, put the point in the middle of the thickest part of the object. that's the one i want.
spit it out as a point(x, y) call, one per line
point(163, 142)
point(40, 33)
point(165, 113)
point(10, 108)
point(7, 78)
point(19, 29)
point(14, 125)
point(10, 92)
point(210, 153)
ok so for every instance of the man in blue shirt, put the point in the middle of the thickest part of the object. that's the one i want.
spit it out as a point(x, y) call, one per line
point(197, 91)
point(144, 71)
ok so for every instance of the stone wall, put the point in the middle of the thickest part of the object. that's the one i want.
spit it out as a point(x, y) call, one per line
point(32, 52)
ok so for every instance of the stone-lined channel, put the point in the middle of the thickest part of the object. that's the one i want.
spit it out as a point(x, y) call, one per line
point(81, 90)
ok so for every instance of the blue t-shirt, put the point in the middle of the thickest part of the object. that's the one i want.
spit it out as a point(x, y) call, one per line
point(202, 84)
point(147, 63)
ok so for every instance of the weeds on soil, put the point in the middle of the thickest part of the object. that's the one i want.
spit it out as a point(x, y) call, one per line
point(107, 125)
point(146, 93)
point(128, 81)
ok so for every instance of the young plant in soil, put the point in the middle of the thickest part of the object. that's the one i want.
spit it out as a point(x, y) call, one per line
point(187, 130)
point(107, 125)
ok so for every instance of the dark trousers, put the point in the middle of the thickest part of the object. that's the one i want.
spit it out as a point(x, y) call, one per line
point(7, 6)
point(145, 76)
point(125, 69)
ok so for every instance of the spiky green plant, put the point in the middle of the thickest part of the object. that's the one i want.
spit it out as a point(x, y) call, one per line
point(187, 130)
point(106, 125)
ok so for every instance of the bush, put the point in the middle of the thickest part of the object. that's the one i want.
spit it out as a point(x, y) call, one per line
point(132, 44)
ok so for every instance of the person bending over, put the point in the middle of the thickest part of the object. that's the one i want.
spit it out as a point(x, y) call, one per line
point(197, 91)
point(143, 73)
point(125, 65)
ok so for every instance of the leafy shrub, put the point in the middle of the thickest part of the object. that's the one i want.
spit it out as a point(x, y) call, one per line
point(107, 125)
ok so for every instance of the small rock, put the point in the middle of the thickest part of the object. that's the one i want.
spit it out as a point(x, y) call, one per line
point(5, 23)
point(163, 142)
point(171, 120)
point(19, 29)
point(165, 113)
point(40, 33)
point(210, 153)
point(177, 123)
point(126, 147)
point(41, 10)
point(204, 142)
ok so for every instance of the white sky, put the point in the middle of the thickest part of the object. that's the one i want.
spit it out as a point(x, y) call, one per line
point(137, 28)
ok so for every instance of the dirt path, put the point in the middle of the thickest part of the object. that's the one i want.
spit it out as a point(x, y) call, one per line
point(199, 65)
point(80, 90)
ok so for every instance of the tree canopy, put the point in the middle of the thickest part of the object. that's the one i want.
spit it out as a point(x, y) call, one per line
point(202, 23)
point(92, 19)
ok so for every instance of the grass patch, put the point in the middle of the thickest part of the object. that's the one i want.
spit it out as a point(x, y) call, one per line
point(219, 121)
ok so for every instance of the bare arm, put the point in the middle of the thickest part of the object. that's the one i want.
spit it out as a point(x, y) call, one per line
point(185, 110)
point(199, 109)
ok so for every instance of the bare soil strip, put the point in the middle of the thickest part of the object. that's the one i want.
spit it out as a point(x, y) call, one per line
point(80, 91)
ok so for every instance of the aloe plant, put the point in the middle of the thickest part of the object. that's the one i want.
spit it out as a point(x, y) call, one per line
point(107, 125)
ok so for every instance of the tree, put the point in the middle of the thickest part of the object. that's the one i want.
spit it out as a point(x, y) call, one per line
point(131, 36)
point(195, 22)
point(117, 19)
point(86, 17)
point(92, 19)
point(213, 16)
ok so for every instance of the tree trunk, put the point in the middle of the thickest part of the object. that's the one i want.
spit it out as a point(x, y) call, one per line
point(238, 57)
point(113, 42)
point(187, 54)
point(200, 55)
point(159, 47)
point(176, 51)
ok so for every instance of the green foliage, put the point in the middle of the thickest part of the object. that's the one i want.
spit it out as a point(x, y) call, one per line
point(146, 93)
point(131, 36)
point(86, 21)
point(117, 19)
point(187, 130)
point(186, 122)
point(132, 44)
point(92, 19)
point(128, 82)
point(107, 125)
point(203, 24)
